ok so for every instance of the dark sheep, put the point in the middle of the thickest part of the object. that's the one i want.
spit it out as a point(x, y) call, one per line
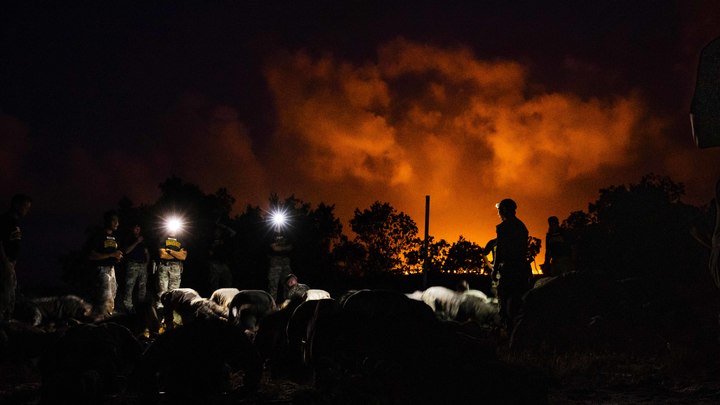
point(194, 363)
point(248, 308)
point(187, 303)
point(271, 339)
point(224, 296)
point(64, 309)
point(300, 329)
point(88, 363)
point(383, 346)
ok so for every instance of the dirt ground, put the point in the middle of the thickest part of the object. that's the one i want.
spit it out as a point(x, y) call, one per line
point(707, 392)
point(22, 386)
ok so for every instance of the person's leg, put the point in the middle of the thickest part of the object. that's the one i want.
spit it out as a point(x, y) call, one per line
point(105, 291)
point(142, 283)
point(131, 276)
point(163, 280)
point(502, 296)
point(274, 279)
point(174, 276)
point(8, 284)
point(112, 287)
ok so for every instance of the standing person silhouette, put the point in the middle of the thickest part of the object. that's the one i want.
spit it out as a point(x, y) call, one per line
point(279, 265)
point(137, 258)
point(104, 255)
point(172, 255)
point(511, 265)
point(10, 240)
point(558, 251)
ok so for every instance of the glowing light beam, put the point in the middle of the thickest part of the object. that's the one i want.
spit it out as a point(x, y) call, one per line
point(279, 218)
point(174, 224)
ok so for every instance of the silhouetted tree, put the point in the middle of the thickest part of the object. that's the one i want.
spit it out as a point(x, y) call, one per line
point(464, 257)
point(436, 257)
point(636, 229)
point(348, 258)
point(388, 237)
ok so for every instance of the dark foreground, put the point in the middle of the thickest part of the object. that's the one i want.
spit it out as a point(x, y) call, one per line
point(22, 386)
point(581, 341)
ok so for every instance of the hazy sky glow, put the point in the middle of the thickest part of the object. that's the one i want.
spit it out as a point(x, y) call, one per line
point(351, 104)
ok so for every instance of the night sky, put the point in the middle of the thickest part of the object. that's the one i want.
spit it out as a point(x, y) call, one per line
point(346, 102)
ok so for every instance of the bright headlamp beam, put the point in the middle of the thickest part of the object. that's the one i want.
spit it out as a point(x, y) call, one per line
point(278, 218)
point(173, 224)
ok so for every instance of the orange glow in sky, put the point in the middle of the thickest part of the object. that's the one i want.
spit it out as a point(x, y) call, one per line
point(416, 120)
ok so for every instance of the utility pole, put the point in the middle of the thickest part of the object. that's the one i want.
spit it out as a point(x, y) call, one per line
point(427, 242)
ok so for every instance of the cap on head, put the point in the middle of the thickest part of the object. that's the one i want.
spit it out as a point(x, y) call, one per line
point(506, 205)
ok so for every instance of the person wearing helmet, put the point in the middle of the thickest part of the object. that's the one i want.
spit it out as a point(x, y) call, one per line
point(511, 266)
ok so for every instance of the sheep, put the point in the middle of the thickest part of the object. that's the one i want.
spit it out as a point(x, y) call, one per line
point(248, 307)
point(460, 307)
point(187, 303)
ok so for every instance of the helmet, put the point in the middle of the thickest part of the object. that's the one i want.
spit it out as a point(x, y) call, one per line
point(507, 205)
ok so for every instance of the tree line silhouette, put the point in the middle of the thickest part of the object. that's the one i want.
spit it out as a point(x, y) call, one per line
point(631, 230)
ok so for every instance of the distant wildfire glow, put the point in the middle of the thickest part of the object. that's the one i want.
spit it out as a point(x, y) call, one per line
point(418, 120)
point(424, 120)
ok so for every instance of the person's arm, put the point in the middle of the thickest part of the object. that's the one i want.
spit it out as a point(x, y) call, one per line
point(117, 254)
point(164, 255)
point(147, 255)
point(133, 245)
point(179, 254)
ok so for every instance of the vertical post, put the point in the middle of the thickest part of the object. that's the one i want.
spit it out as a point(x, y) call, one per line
point(427, 241)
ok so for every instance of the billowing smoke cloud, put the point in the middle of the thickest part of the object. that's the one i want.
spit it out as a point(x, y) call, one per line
point(426, 120)
point(209, 146)
point(417, 120)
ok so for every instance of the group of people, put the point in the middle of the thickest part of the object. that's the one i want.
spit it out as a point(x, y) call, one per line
point(510, 267)
point(105, 253)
